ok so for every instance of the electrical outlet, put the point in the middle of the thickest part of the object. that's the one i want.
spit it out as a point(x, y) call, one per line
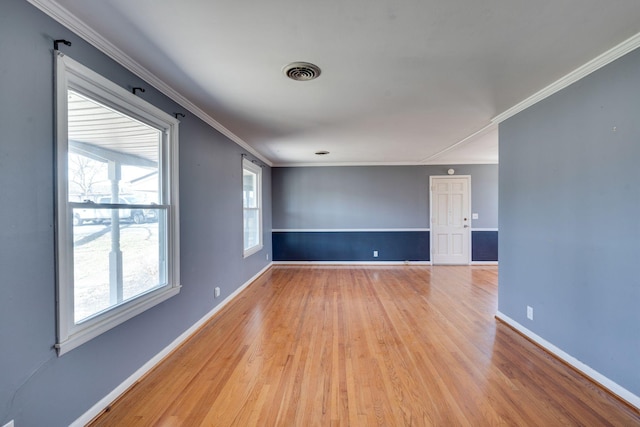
point(375, 254)
point(9, 424)
point(529, 312)
point(216, 292)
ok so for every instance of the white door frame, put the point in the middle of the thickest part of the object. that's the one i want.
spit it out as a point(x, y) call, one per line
point(431, 234)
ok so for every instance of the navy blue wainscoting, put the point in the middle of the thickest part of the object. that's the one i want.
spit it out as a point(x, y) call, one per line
point(350, 245)
point(484, 246)
point(359, 246)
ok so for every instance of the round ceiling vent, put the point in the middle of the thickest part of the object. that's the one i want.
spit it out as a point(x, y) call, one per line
point(301, 71)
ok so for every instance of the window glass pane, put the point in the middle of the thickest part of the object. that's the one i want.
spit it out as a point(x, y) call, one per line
point(116, 204)
point(110, 153)
point(141, 184)
point(86, 178)
point(249, 190)
point(251, 228)
point(115, 261)
point(118, 253)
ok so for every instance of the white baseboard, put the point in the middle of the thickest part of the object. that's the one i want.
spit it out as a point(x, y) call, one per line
point(594, 375)
point(124, 386)
point(373, 263)
point(352, 262)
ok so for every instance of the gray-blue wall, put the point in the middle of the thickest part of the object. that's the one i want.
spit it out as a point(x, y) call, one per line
point(569, 229)
point(36, 387)
point(371, 197)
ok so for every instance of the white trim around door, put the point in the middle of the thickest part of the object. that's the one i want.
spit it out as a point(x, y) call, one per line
point(450, 219)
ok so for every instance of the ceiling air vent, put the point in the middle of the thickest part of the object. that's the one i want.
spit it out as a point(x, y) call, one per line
point(301, 71)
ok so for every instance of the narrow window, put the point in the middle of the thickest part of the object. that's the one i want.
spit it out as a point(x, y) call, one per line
point(117, 204)
point(252, 207)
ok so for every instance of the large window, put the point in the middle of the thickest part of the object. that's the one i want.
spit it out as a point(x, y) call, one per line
point(252, 209)
point(117, 204)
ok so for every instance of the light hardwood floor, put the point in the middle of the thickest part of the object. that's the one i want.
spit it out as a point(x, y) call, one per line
point(364, 346)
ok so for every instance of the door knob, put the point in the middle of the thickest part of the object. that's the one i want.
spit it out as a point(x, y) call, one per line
point(466, 226)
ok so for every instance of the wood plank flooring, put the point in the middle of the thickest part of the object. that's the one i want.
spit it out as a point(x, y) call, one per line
point(364, 346)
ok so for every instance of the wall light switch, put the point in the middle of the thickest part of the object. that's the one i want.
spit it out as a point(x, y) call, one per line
point(474, 216)
point(375, 254)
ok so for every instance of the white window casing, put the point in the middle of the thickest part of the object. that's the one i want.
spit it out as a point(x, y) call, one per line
point(73, 78)
point(252, 207)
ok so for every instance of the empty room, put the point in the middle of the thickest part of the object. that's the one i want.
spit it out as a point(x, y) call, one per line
point(319, 213)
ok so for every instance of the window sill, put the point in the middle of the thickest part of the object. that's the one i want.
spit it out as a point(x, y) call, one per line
point(251, 251)
point(114, 317)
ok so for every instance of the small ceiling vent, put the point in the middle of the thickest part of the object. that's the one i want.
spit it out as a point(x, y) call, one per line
point(301, 71)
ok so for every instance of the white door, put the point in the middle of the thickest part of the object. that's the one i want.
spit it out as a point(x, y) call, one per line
point(450, 220)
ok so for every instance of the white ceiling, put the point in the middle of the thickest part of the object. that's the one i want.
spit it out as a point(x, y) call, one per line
point(403, 81)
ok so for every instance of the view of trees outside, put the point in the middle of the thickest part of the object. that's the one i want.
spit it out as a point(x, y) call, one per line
point(89, 179)
point(84, 175)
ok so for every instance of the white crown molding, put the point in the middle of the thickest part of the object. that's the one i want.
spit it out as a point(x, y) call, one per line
point(324, 164)
point(465, 162)
point(482, 131)
point(66, 18)
point(577, 74)
point(340, 164)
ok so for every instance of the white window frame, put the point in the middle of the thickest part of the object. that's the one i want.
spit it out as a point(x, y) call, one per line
point(73, 75)
point(252, 167)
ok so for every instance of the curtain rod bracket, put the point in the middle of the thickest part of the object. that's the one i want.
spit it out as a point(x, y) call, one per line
point(179, 114)
point(58, 41)
point(255, 162)
point(141, 89)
